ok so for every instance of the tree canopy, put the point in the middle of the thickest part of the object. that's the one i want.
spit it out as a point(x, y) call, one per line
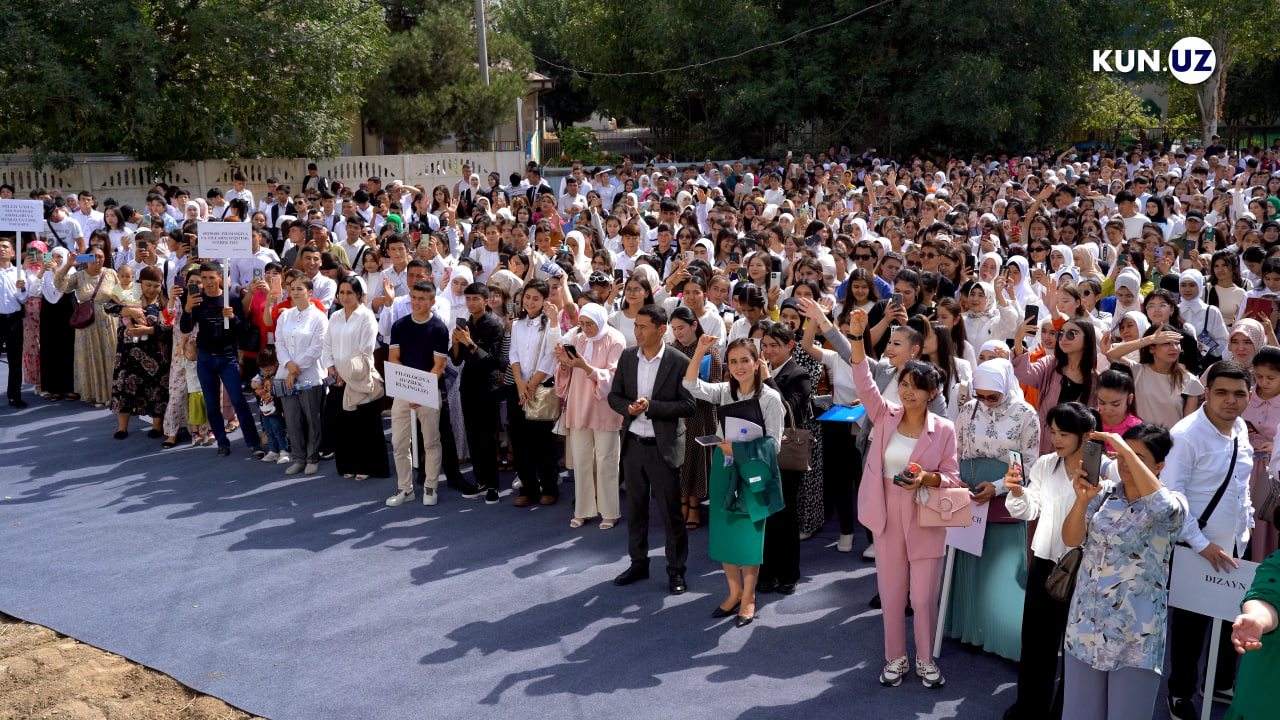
point(176, 80)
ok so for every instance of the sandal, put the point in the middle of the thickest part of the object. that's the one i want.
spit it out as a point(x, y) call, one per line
point(361, 478)
point(693, 518)
point(347, 475)
point(607, 524)
point(233, 426)
point(73, 397)
point(577, 523)
point(55, 398)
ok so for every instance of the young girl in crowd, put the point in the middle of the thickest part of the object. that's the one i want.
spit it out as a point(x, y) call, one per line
point(197, 416)
point(1262, 417)
point(271, 412)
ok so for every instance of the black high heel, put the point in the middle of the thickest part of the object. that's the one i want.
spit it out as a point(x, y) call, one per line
point(720, 612)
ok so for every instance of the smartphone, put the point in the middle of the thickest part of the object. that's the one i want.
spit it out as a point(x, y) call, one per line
point(709, 440)
point(1123, 260)
point(688, 256)
point(503, 259)
point(48, 257)
point(511, 308)
point(742, 273)
point(729, 317)
point(735, 257)
point(1159, 253)
point(895, 299)
point(571, 351)
point(618, 274)
point(461, 323)
point(1015, 464)
point(257, 274)
point(775, 280)
point(756, 342)
point(193, 289)
point(1029, 313)
point(274, 283)
point(86, 258)
point(1092, 461)
point(812, 240)
point(416, 235)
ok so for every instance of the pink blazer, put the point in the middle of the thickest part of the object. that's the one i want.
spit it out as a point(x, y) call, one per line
point(935, 452)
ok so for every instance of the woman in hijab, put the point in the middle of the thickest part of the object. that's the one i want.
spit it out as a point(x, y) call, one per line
point(1133, 326)
point(989, 267)
point(1127, 293)
point(1205, 319)
point(34, 270)
point(1020, 283)
point(578, 245)
point(986, 591)
point(990, 315)
point(583, 380)
point(455, 307)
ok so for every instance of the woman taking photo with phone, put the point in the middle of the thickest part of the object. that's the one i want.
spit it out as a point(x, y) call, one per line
point(1117, 621)
point(93, 282)
point(908, 557)
point(143, 346)
point(736, 540)
point(1043, 490)
point(1070, 374)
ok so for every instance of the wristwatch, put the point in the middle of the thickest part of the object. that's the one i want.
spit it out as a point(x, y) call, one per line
point(855, 337)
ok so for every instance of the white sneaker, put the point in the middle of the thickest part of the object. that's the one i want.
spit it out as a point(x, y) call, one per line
point(429, 496)
point(400, 498)
point(284, 459)
point(845, 543)
point(870, 552)
point(294, 469)
point(271, 457)
point(311, 469)
point(929, 674)
point(516, 484)
point(893, 672)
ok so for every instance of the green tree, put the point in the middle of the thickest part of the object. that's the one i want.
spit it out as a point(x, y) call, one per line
point(430, 87)
point(1110, 108)
point(181, 80)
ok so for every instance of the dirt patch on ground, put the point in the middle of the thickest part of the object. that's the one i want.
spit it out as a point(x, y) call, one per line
point(47, 676)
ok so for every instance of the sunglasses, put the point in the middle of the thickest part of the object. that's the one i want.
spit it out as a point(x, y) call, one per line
point(863, 257)
point(990, 399)
point(1068, 334)
point(929, 256)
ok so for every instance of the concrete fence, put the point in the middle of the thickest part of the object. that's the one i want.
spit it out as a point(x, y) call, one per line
point(127, 181)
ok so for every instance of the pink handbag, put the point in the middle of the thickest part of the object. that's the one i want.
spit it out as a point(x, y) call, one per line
point(944, 507)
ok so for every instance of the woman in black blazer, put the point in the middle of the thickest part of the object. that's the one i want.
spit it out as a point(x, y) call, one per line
point(781, 568)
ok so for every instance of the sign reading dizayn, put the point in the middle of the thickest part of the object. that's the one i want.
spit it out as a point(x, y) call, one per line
point(1191, 60)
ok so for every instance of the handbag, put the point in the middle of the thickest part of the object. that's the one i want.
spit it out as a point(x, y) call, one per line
point(979, 470)
point(1269, 508)
point(944, 507)
point(796, 447)
point(545, 404)
point(82, 316)
point(1061, 583)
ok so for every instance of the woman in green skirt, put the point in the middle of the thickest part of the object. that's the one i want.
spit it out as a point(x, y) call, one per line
point(986, 592)
point(745, 485)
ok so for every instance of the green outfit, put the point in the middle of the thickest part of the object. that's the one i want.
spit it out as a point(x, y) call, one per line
point(1255, 696)
point(987, 592)
point(742, 496)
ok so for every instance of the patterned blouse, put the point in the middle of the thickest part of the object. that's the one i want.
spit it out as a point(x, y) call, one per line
point(1118, 612)
point(983, 432)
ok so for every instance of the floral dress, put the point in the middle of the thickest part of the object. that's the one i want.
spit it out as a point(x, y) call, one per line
point(31, 331)
point(175, 413)
point(810, 513)
point(95, 344)
point(1118, 613)
point(141, 382)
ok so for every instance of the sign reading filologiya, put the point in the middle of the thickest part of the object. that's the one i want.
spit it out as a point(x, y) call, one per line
point(225, 240)
point(1191, 60)
point(411, 384)
point(22, 215)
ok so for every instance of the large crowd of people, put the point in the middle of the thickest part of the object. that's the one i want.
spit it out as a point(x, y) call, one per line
point(753, 348)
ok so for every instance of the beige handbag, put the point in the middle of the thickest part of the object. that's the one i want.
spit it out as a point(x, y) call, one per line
point(545, 404)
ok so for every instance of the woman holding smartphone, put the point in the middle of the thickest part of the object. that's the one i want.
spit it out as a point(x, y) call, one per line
point(908, 557)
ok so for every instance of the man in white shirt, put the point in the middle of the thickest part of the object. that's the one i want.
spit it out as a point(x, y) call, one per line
point(353, 244)
point(218, 207)
point(324, 289)
point(88, 218)
point(1126, 205)
point(1210, 464)
point(571, 195)
point(60, 230)
point(13, 293)
point(243, 269)
point(238, 191)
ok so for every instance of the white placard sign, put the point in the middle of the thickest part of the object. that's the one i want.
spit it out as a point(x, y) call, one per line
point(22, 215)
point(411, 384)
point(226, 240)
point(969, 539)
point(1194, 585)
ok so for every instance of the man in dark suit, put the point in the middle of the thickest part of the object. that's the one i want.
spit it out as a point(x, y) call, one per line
point(648, 393)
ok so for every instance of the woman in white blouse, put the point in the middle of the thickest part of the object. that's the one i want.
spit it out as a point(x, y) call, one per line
point(300, 332)
point(1045, 492)
point(353, 412)
point(534, 336)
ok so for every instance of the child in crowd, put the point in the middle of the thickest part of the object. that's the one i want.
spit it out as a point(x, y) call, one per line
point(197, 415)
point(1115, 402)
point(272, 414)
point(128, 292)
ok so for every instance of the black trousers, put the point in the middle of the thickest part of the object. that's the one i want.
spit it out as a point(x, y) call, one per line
point(480, 413)
point(534, 444)
point(1044, 620)
point(11, 341)
point(782, 536)
point(841, 480)
point(645, 472)
point(1188, 634)
point(448, 449)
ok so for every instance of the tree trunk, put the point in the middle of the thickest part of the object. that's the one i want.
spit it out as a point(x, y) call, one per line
point(1211, 94)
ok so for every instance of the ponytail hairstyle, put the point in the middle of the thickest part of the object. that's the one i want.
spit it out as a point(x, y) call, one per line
point(957, 331)
point(539, 286)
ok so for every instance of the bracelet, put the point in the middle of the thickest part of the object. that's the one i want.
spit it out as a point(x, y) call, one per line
point(855, 337)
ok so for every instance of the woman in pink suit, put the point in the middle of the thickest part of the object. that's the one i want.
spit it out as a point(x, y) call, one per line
point(909, 558)
point(583, 379)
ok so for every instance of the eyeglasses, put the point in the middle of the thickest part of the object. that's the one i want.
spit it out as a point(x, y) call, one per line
point(914, 264)
point(990, 399)
point(1068, 334)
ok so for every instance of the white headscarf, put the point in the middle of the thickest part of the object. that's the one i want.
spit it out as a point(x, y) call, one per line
point(1139, 319)
point(1197, 303)
point(1128, 278)
point(581, 260)
point(1023, 292)
point(996, 375)
point(992, 301)
point(598, 315)
point(48, 288)
point(993, 257)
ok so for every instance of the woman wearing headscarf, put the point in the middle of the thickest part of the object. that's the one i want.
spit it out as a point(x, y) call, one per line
point(579, 245)
point(95, 343)
point(1019, 279)
point(1127, 289)
point(985, 591)
point(35, 272)
point(989, 267)
point(685, 331)
point(467, 198)
point(1133, 326)
point(455, 307)
point(144, 345)
point(1205, 319)
point(583, 379)
point(990, 315)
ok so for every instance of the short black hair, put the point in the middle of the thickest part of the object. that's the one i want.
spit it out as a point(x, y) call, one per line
point(1071, 417)
point(210, 266)
point(1268, 356)
point(477, 288)
point(655, 313)
point(1154, 437)
point(424, 286)
point(1229, 369)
